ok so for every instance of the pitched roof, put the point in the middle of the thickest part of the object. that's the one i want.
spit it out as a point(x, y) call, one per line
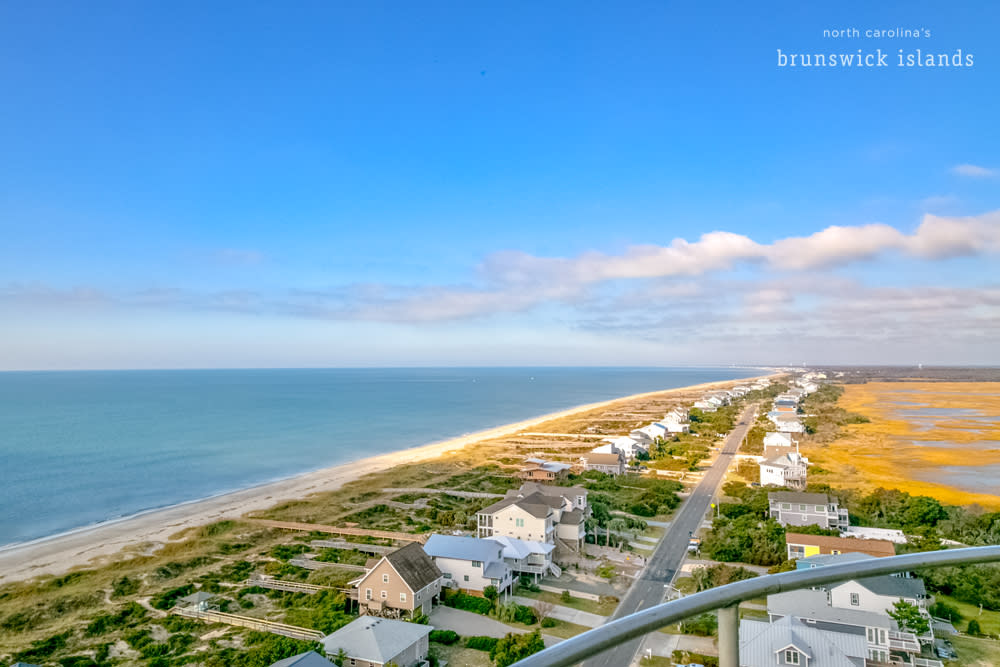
point(796, 497)
point(517, 549)
point(414, 566)
point(197, 597)
point(463, 548)
point(375, 639)
point(897, 587)
point(813, 604)
point(834, 559)
point(593, 458)
point(534, 504)
point(572, 517)
point(307, 659)
point(552, 491)
point(760, 641)
point(877, 548)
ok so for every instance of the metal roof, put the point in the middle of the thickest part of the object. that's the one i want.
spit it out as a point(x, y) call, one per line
point(760, 642)
point(463, 548)
point(814, 604)
point(307, 659)
point(375, 639)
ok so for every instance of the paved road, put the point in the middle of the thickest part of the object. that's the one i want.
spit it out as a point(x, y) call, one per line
point(468, 624)
point(648, 591)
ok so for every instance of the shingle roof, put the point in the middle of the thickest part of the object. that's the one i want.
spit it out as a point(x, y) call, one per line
point(463, 548)
point(796, 497)
point(414, 566)
point(897, 587)
point(843, 544)
point(534, 504)
point(593, 458)
point(307, 659)
point(375, 639)
point(551, 490)
point(572, 517)
point(814, 604)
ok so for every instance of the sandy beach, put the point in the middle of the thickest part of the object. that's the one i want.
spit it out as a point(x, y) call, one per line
point(102, 543)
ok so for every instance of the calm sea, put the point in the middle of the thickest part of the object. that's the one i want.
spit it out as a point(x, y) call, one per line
point(78, 448)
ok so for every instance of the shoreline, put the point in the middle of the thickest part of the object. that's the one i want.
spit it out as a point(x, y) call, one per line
point(100, 543)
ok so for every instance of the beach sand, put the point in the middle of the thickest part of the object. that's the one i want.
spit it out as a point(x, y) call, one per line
point(102, 543)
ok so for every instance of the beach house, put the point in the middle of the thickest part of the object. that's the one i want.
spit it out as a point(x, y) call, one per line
point(792, 508)
point(307, 659)
point(569, 510)
point(376, 642)
point(788, 470)
point(649, 434)
point(612, 464)
point(803, 546)
point(776, 440)
point(402, 583)
point(789, 642)
point(529, 517)
point(528, 557)
point(540, 470)
point(470, 564)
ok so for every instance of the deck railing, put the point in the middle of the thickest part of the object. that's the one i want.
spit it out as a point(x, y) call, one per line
point(727, 598)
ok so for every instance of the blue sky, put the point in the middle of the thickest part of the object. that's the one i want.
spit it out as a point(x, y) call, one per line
point(246, 184)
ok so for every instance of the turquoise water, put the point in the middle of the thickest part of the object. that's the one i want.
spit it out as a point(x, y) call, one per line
point(78, 448)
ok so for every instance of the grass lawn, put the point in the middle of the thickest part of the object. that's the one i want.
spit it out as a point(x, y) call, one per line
point(600, 608)
point(457, 655)
point(974, 652)
point(989, 622)
point(656, 661)
point(564, 630)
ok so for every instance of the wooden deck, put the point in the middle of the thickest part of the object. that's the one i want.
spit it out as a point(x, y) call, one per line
point(290, 586)
point(282, 629)
point(337, 530)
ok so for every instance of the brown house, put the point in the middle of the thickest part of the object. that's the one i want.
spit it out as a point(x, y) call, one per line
point(402, 583)
point(540, 470)
point(803, 546)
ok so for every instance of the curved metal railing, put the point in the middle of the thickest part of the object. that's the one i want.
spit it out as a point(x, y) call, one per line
point(635, 625)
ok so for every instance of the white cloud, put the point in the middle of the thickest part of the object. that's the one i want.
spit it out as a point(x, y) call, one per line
point(974, 171)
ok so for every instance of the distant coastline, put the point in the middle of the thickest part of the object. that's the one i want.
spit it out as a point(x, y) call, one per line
point(98, 543)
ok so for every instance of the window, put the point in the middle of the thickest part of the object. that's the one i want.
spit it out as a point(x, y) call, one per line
point(791, 656)
point(871, 636)
point(519, 523)
point(881, 637)
point(446, 575)
point(855, 600)
point(353, 661)
point(402, 597)
point(819, 508)
point(835, 552)
point(803, 508)
point(466, 577)
point(368, 594)
point(477, 563)
point(385, 595)
point(786, 506)
point(385, 578)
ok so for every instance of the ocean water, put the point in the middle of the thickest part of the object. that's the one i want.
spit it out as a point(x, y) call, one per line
point(78, 448)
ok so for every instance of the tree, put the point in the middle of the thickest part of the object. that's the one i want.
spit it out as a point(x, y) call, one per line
point(973, 628)
point(909, 617)
point(340, 659)
point(617, 525)
point(543, 609)
point(492, 594)
point(514, 647)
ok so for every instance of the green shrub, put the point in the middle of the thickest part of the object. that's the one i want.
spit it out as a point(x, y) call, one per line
point(447, 637)
point(481, 643)
point(128, 617)
point(43, 648)
point(549, 622)
point(566, 597)
point(467, 602)
point(168, 598)
point(973, 628)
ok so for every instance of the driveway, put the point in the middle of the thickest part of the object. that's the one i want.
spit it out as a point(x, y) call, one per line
point(469, 624)
point(567, 614)
point(663, 644)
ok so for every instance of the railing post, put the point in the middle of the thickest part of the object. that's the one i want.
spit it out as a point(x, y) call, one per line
point(729, 636)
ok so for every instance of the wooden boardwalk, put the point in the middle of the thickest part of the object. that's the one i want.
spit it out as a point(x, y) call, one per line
point(289, 586)
point(260, 625)
point(310, 564)
point(337, 530)
point(363, 548)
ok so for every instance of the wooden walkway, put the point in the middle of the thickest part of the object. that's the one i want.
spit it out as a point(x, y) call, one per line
point(290, 586)
point(310, 564)
point(260, 625)
point(335, 530)
point(363, 548)
point(457, 494)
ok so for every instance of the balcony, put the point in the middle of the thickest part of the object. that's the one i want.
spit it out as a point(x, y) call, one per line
point(726, 600)
point(904, 641)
